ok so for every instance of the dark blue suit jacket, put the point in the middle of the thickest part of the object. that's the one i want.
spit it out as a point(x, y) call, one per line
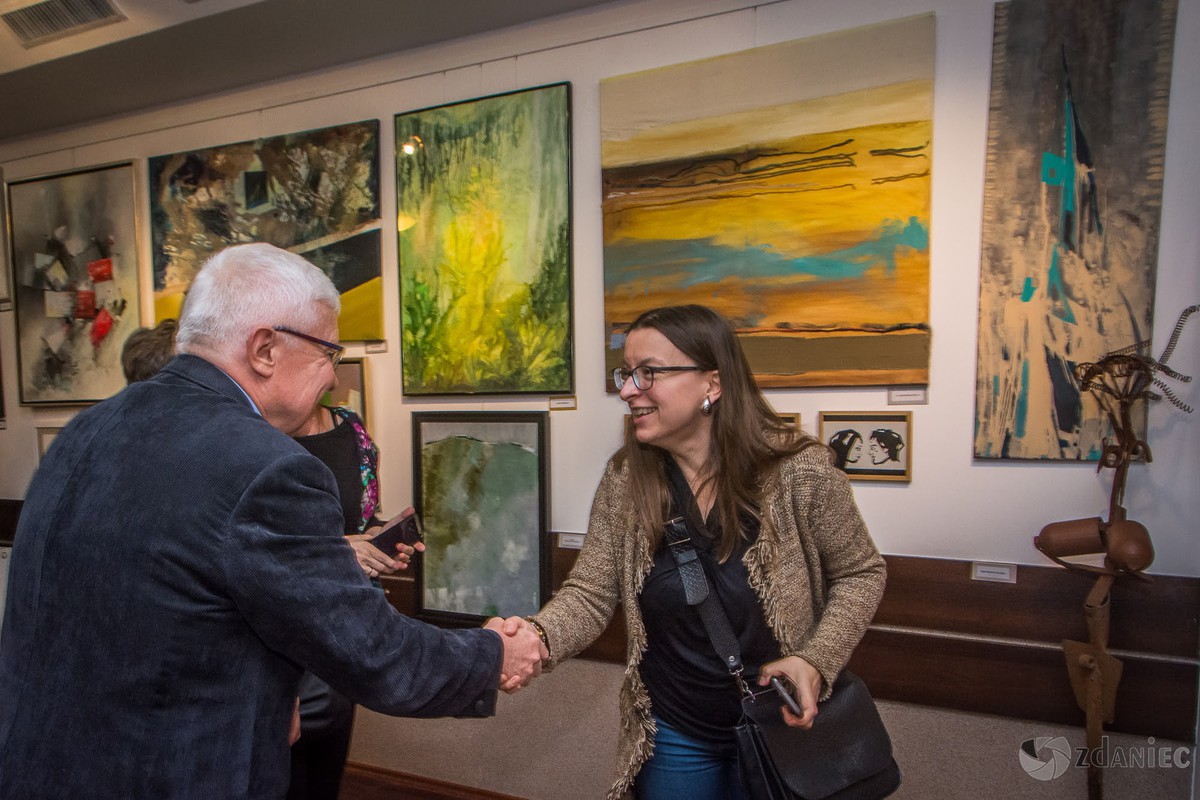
point(177, 562)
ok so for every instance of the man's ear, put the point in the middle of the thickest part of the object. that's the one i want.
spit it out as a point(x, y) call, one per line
point(262, 353)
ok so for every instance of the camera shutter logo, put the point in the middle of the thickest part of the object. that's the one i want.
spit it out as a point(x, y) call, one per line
point(1045, 758)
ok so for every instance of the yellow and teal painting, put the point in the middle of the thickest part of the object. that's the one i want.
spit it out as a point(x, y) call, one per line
point(787, 187)
point(484, 219)
point(1072, 197)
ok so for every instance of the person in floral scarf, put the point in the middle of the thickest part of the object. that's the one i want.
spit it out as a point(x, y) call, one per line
point(338, 437)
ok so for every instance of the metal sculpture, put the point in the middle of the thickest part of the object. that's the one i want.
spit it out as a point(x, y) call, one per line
point(1117, 381)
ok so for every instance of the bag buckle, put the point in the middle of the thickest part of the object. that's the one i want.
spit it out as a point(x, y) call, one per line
point(742, 685)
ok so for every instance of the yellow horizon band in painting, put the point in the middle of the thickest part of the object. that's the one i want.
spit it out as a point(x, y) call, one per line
point(167, 305)
point(361, 318)
point(362, 312)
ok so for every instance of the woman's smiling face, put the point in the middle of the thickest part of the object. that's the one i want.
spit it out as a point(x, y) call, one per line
point(666, 415)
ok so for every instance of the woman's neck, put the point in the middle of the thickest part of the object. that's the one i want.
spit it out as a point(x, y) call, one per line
point(698, 478)
point(320, 421)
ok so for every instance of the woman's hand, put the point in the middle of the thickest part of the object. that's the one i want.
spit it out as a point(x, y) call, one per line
point(373, 560)
point(805, 678)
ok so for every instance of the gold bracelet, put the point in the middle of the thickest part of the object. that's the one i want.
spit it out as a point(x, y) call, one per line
point(541, 632)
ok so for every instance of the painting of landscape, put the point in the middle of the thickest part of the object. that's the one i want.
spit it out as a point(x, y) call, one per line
point(788, 187)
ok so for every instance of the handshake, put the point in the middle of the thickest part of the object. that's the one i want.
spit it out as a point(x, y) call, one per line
point(524, 652)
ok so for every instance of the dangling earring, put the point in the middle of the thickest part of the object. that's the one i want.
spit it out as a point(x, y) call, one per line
point(706, 406)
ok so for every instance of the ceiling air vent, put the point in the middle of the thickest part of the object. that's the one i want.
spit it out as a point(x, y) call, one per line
point(53, 19)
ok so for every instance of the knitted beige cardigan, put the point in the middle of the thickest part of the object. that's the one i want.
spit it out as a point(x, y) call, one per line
point(814, 568)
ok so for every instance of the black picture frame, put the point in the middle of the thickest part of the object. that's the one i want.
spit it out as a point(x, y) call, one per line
point(75, 289)
point(481, 485)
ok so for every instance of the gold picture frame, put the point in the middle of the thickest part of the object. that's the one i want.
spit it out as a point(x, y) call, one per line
point(869, 445)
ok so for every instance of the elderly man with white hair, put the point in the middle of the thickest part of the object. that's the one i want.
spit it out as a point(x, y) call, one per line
point(179, 561)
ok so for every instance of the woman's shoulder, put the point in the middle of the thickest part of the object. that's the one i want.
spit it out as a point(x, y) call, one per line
point(815, 456)
point(812, 466)
point(616, 470)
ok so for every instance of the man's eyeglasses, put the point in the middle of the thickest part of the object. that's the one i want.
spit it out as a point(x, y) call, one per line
point(643, 376)
point(332, 351)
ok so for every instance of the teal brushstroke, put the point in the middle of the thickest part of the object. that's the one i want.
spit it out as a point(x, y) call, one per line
point(1056, 292)
point(686, 263)
point(1022, 410)
point(1060, 170)
point(1027, 290)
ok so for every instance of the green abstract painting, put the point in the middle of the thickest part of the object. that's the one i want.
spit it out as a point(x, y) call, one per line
point(484, 224)
point(480, 481)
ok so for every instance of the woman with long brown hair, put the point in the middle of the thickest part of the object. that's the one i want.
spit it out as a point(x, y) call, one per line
point(776, 530)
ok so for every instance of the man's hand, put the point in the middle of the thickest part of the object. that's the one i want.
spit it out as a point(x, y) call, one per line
point(523, 652)
point(373, 560)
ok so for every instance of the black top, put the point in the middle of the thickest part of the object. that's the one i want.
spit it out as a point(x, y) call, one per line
point(338, 449)
point(690, 688)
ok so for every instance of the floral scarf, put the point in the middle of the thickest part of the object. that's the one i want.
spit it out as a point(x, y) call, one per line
point(368, 465)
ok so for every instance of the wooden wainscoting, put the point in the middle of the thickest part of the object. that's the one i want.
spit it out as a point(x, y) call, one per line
point(942, 639)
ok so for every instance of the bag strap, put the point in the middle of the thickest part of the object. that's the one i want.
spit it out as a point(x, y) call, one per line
point(696, 590)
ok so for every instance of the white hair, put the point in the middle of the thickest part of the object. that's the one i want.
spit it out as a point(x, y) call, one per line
point(248, 286)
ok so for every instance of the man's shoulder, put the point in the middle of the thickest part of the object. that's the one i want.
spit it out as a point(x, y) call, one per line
point(209, 413)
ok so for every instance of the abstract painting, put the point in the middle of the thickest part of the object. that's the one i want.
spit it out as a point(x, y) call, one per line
point(1077, 133)
point(480, 482)
point(787, 187)
point(314, 193)
point(869, 445)
point(75, 282)
point(483, 191)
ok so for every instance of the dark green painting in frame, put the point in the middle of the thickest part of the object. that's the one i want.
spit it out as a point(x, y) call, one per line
point(480, 481)
point(483, 195)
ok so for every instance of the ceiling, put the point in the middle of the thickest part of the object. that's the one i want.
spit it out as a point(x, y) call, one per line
point(173, 50)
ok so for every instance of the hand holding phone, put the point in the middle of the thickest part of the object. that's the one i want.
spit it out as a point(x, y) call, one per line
point(786, 696)
point(404, 529)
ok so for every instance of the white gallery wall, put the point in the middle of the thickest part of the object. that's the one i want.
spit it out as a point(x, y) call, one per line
point(955, 507)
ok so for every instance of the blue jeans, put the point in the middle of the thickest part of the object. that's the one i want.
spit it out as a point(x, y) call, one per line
point(683, 768)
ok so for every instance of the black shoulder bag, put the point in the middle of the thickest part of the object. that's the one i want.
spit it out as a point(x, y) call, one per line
point(846, 755)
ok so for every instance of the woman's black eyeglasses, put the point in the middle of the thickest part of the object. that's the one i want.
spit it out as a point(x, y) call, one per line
point(643, 376)
point(332, 351)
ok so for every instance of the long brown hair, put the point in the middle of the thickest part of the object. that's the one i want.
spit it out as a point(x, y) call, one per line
point(748, 437)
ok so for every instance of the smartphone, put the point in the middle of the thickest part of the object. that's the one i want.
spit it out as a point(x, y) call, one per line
point(404, 529)
point(787, 697)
